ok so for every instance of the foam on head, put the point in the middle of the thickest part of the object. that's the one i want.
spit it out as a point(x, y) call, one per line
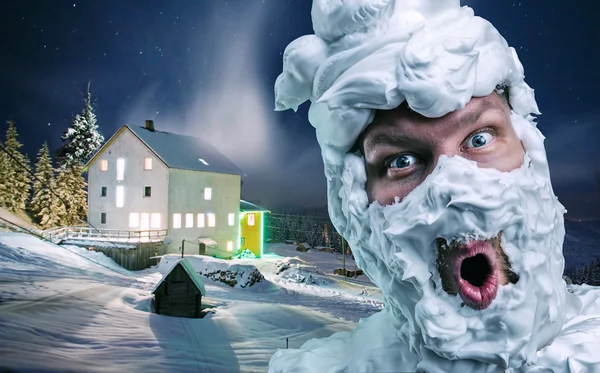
point(375, 54)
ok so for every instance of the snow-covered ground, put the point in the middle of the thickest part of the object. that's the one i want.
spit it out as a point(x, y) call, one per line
point(66, 309)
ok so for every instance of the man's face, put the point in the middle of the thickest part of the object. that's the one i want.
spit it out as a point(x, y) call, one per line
point(401, 149)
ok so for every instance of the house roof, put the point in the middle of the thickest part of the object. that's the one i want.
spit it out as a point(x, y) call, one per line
point(187, 267)
point(185, 152)
point(246, 206)
point(178, 151)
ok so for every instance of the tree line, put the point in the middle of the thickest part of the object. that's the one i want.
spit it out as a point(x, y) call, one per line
point(53, 193)
point(314, 230)
point(587, 274)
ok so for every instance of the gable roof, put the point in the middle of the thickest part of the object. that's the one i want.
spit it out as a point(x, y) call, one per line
point(187, 267)
point(179, 151)
point(185, 152)
point(246, 206)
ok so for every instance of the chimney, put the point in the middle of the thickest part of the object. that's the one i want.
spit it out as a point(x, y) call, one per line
point(150, 125)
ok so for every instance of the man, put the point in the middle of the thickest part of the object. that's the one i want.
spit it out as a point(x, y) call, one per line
point(438, 179)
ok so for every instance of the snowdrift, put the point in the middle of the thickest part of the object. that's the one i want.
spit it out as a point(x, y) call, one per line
point(218, 270)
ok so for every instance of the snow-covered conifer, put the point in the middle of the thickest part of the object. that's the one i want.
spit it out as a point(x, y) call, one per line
point(82, 138)
point(71, 187)
point(45, 204)
point(15, 172)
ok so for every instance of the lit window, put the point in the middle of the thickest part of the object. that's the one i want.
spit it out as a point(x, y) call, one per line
point(211, 220)
point(147, 191)
point(229, 245)
point(147, 163)
point(207, 193)
point(104, 165)
point(176, 221)
point(145, 221)
point(189, 220)
point(120, 195)
point(102, 218)
point(250, 219)
point(134, 220)
point(155, 220)
point(120, 169)
point(200, 221)
point(231, 219)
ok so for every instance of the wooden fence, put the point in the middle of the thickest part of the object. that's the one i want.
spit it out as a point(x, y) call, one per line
point(133, 259)
point(110, 235)
point(130, 249)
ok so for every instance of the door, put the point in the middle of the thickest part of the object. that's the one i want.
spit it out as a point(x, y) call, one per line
point(144, 225)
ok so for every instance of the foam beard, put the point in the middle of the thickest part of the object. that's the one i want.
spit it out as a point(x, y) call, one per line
point(396, 247)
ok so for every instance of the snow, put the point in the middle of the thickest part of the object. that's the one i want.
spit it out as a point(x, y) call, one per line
point(70, 309)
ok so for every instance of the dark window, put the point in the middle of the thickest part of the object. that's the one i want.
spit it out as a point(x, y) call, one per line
point(102, 218)
point(147, 191)
point(103, 192)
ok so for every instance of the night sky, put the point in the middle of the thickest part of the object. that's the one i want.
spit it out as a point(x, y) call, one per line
point(207, 67)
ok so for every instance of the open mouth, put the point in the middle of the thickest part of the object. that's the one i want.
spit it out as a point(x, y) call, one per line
point(474, 270)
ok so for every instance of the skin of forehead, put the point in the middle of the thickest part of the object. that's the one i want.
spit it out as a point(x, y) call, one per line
point(401, 119)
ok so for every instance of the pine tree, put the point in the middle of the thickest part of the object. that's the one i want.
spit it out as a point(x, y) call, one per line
point(4, 177)
point(82, 139)
point(45, 205)
point(71, 188)
point(15, 172)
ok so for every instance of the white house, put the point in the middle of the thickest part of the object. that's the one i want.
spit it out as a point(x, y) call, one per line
point(144, 180)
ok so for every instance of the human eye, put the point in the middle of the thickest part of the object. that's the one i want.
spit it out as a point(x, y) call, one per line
point(479, 139)
point(402, 161)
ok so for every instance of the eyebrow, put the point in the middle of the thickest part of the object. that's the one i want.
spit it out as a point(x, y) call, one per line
point(389, 139)
point(473, 116)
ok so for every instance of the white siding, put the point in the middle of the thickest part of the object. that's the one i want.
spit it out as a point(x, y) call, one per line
point(133, 151)
point(186, 196)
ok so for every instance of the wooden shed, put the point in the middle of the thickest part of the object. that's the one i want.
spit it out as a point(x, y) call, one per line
point(179, 293)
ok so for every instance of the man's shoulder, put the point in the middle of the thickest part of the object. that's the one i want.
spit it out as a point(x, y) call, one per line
point(577, 347)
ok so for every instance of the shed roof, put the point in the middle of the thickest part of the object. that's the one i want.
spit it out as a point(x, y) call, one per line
point(246, 206)
point(187, 267)
point(185, 152)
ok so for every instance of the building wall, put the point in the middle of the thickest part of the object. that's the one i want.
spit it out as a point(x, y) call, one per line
point(251, 234)
point(186, 196)
point(133, 151)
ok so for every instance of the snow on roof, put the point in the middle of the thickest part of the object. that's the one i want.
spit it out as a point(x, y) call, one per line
point(187, 267)
point(247, 206)
point(207, 241)
point(185, 152)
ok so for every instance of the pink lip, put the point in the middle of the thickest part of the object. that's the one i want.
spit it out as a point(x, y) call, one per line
point(476, 297)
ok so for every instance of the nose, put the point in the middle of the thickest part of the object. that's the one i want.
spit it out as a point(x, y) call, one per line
point(432, 162)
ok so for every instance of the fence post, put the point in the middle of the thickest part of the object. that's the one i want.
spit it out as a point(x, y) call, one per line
point(344, 257)
point(182, 247)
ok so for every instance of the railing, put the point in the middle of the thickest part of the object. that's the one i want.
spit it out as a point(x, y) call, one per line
point(101, 234)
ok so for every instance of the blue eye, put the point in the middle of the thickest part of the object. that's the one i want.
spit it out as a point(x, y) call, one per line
point(403, 161)
point(478, 140)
